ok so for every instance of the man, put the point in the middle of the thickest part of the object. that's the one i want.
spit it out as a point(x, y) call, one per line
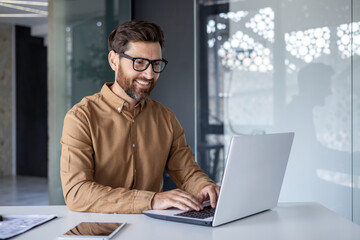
point(117, 143)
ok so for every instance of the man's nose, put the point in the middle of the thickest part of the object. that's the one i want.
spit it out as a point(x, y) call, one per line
point(149, 73)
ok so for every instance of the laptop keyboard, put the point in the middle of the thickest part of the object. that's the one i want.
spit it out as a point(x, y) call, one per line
point(205, 213)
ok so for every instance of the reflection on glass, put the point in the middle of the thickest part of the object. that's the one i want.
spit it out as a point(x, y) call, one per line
point(86, 57)
point(234, 16)
point(308, 45)
point(269, 75)
point(339, 178)
point(344, 32)
point(244, 53)
point(263, 23)
point(78, 31)
point(93, 229)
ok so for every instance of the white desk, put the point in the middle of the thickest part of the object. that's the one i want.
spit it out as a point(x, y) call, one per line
point(289, 221)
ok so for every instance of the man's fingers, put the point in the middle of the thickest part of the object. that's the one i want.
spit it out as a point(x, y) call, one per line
point(213, 197)
point(217, 190)
point(210, 192)
point(181, 206)
point(175, 198)
point(187, 195)
point(185, 201)
point(188, 200)
point(216, 196)
point(201, 197)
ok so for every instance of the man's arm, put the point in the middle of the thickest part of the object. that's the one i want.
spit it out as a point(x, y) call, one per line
point(187, 175)
point(77, 168)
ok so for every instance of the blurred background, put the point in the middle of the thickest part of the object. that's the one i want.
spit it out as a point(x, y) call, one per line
point(235, 67)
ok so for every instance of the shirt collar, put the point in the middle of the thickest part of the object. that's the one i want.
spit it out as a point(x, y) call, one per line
point(117, 102)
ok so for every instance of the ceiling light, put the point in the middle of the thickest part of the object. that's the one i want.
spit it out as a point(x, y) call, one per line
point(33, 3)
point(20, 15)
point(32, 10)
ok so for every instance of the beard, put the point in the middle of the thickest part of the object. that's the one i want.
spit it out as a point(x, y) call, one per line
point(128, 85)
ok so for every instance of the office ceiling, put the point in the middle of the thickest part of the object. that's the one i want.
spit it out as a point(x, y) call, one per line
point(24, 13)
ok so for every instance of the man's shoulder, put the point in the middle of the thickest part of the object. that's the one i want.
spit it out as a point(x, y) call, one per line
point(84, 106)
point(158, 107)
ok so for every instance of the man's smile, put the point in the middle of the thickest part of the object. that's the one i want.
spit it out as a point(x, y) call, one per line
point(143, 83)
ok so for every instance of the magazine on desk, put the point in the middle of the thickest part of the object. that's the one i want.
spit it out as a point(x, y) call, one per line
point(12, 225)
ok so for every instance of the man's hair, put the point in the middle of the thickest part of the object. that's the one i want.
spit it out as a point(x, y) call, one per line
point(135, 31)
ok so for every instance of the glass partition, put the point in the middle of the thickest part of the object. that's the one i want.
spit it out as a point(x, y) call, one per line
point(278, 66)
point(356, 109)
point(78, 65)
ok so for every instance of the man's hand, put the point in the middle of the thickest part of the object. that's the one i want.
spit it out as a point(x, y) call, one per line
point(175, 198)
point(210, 192)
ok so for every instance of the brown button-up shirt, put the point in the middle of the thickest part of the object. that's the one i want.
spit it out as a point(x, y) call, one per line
point(112, 160)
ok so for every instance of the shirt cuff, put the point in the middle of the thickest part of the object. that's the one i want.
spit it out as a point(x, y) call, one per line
point(142, 201)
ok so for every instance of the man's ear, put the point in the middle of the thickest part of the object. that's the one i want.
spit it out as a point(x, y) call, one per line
point(113, 60)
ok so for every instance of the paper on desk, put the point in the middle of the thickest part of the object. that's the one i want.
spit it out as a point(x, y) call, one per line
point(13, 225)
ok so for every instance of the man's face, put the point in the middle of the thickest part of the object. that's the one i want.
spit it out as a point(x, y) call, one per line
point(138, 85)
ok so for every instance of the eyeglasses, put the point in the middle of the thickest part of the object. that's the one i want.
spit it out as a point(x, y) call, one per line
point(141, 64)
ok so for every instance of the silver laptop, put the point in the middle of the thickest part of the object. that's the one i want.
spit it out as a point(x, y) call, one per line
point(254, 172)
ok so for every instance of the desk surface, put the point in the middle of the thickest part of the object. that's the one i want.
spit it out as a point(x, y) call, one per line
point(293, 221)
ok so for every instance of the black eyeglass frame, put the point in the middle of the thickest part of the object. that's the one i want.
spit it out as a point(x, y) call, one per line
point(148, 64)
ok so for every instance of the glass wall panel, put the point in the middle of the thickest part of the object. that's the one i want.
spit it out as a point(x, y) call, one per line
point(356, 110)
point(78, 66)
point(277, 66)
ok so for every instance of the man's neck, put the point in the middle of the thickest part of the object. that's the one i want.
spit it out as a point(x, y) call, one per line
point(115, 88)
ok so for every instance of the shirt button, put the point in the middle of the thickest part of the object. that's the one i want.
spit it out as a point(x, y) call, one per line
point(133, 145)
point(124, 103)
point(134, 170)
point(119, 109)
point(133, 120)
